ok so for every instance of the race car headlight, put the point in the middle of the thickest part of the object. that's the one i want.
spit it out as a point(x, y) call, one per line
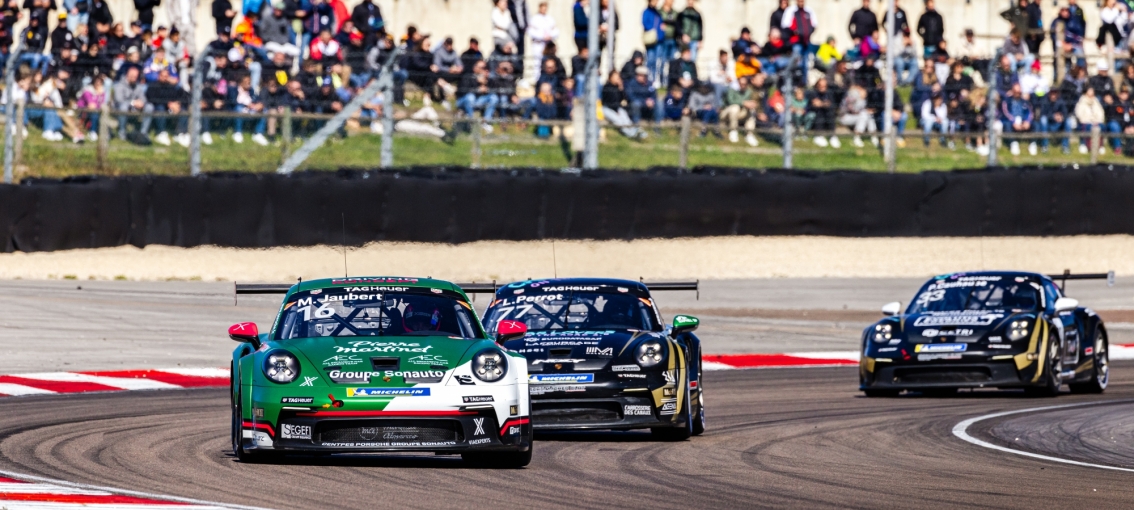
point(281, 366)
point(1017, 330)
point(649, 354)
point(883, 332)
point(489, 365)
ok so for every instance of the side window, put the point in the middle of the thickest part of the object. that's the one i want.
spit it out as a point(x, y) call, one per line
point(1050, 294)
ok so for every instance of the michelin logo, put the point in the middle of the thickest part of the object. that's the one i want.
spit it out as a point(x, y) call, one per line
point(940, 347)
point(387, 392)
point(561, 378)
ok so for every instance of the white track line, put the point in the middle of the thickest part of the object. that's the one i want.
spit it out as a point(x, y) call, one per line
point(961, 431)
point(137, 494)
point(19, 390)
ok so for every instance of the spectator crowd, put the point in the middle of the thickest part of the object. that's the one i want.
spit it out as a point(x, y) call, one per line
point(315, 56)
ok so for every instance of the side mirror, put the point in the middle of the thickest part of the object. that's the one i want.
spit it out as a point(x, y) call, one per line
point(245, 332)
point(507, 331)
point(684, 324)
point(892, 309)
point(1066, 304)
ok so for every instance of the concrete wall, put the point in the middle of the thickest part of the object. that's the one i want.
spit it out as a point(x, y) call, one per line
point(723, 19)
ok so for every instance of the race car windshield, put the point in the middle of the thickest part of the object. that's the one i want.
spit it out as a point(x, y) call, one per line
point(339, 312)
point(977, 293)
point(574, 310)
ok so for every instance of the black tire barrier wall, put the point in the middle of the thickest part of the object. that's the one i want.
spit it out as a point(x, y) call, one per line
point(460, 205)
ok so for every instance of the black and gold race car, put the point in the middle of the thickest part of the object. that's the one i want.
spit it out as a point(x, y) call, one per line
point(994, 329)
point(600, 356)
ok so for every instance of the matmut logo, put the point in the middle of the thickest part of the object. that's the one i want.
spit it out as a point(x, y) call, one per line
point(380, 279)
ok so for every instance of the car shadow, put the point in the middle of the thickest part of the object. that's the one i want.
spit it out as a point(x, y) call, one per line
point(373, 460)
point(977, 393)
point(597, 436)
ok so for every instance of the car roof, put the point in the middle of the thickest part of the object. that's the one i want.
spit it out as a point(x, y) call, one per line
point(611, 284)
point(384, 281)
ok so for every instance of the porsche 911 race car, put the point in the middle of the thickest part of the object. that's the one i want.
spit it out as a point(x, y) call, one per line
point(987, 329)
point(378, 364)
point(600, 357)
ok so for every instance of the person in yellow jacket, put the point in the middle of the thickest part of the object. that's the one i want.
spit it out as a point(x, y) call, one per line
point(827, 55)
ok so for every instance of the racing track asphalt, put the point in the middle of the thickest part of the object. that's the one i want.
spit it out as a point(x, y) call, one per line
point(777, 438)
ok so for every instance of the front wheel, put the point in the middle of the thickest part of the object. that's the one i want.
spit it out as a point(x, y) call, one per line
point(501, 460)
point(1053, 372)
point(1100, 374)
point(681, 432)
point(245, 456)
point(699, 420)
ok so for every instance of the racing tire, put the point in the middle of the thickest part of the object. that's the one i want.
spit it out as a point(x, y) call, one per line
point(1100, 373)
point(876, 393)
point(699, 420)
point(499, 460)
point(1052, 377)
point(681, 432)
point(238, 451)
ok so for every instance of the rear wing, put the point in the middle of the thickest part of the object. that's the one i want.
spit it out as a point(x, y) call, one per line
point(1067, 275)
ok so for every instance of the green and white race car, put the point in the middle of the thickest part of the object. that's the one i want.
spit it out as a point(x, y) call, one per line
point(378, 364)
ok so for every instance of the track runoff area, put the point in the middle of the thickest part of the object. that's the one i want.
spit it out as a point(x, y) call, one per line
point(775, 419)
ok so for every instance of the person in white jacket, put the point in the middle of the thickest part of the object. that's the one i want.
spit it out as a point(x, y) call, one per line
point(1089, 112)
point(935, 116)
point(503, 29)
point(541, 30)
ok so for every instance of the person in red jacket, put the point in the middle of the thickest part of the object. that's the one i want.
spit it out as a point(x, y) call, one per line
point(798, 24)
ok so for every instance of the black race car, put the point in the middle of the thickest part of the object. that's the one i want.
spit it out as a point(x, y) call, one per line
point(987, 329)
point(600, 357)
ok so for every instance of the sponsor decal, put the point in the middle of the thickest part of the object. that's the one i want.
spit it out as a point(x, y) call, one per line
point(343, 281)
point(669, 407)
point(940, 347)
point(561, 343)
point(308, 381)
point(626, 368)
point(428, 359)
point(597, 351)
point(936, 332)
point(549, 361)
point(669, 379)
point(288, 431)
point(513, 430)
point(682, 319)
point(477, 399)
point(297, 400)
point(931, 357)
point(995, 339)
point(479, 423)
point(888, 349)
point(631, 410)
point(553, 388)
point(481, 441)
point(999, 346)
point(361, 346)
point(561, 378)
point(632, 376)
point(571, 288)
point(342, 361)
point(669, 392)
point(1088, 351)
point(386, 375)
point(957, 319)
point(465, 380)
point(387, 392)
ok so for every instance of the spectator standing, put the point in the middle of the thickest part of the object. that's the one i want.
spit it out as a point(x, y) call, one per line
point(1035, 34)
point(777, 18)
point(504, 30)
point(691, 27)
point(863, 23)
point(1110, 15)
point(901, 26)
point(931, 28)
point(146, 12)
point(582, 27)
point(223, 14)
point(518, 9)
point(367, 19)
point(652, 38)
point(799, 23)
point(77, 13)
point(541, 31)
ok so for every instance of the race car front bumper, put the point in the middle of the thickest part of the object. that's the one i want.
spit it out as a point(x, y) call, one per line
point(333, 431)
point(610, 413)
point(969, 374)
